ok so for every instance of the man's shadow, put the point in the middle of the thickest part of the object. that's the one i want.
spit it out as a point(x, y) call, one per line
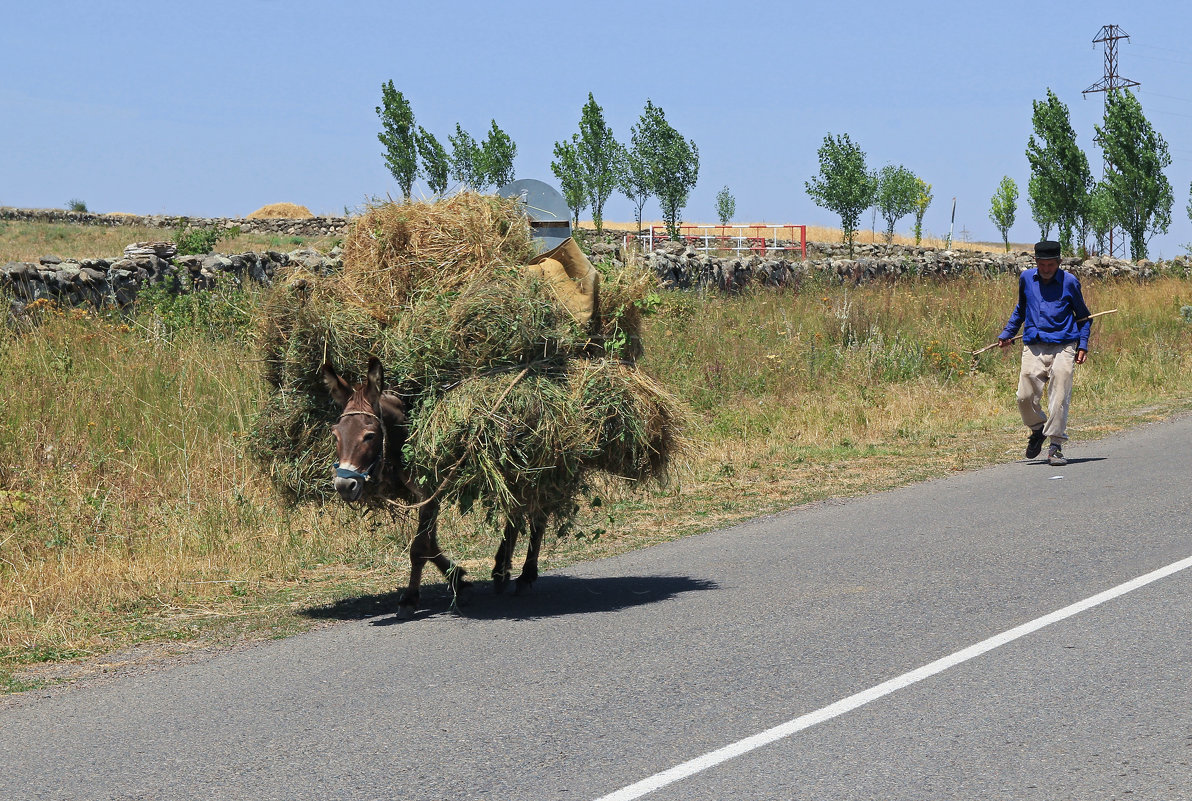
point(551, 596)
point(1071, 461)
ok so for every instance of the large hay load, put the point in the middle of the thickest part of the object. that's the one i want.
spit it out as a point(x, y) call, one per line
point(517, 371)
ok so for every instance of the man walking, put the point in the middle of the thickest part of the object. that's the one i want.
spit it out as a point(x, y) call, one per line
point(1050, 310)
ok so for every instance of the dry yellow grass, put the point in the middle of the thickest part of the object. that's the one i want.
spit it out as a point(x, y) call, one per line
point(281, 211)
point(20, 241)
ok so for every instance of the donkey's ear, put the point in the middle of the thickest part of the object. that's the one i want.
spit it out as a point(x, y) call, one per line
point(376, 380)
point(339, 389)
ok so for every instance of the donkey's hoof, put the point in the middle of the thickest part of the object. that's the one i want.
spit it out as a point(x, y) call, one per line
point(500, 582)
point(522, 585)
point(407, 605)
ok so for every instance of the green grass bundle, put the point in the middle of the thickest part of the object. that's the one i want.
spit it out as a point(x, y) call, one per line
point(512, 401)
point(492, 439)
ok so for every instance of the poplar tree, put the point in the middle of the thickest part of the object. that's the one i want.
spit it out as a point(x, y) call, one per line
point(464, 158)
point(494, 158)
point(1041, 211)
point(922, 201)
point(1060, 169)
point(897, 191)
point(671, 164)
point(1137, 155)
point(726, 206)
point(398, 137)
point(1101, 215)
point(1003, 206)
point(634, 182)
point(567, 169)
point(601, 159)
point(844, 185)
point(436, 164)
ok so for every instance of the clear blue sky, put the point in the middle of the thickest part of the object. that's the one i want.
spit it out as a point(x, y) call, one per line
point(218, 108)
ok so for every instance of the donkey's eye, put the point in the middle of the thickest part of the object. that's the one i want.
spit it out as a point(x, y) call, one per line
point(368, 437)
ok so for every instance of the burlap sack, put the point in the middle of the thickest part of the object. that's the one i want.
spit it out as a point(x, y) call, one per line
point(572, 277)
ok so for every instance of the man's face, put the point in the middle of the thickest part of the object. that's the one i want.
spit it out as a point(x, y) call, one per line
point(1047, 268)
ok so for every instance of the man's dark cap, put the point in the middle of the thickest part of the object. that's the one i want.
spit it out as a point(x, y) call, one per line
point(1047, 249)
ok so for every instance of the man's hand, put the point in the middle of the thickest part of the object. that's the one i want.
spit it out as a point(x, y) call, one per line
point(1003, 343)
point(1081, 355)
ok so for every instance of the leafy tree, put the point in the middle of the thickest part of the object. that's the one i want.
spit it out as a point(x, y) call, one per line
point(897, 191)
point(1041, 211)
point(671, 164)
point(569, 171)
point(436, 164)
point(494, 158)
point(634, 182)
point(922, 201)
point(726, 206)
point(398, 136)
point(1003, 206)
point(1137, 155)
point(465, 158)
point(601, 159)
point(1059, 168)
point(843, 185)
point(1100, 215)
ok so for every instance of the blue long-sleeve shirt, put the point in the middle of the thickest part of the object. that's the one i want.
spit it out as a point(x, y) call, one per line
point(1049, 311)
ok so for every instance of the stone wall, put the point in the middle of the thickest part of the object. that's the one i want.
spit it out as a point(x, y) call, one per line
point(684, 267)
point(108, 282)
point(310, 226)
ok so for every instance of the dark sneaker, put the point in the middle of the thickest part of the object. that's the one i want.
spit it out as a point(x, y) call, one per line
point(1034, 444)
point(1055, 456)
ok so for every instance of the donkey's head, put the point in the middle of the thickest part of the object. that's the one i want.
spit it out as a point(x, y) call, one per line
point(369, 432)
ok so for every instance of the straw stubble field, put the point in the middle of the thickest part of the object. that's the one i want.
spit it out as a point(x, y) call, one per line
point(131, 511)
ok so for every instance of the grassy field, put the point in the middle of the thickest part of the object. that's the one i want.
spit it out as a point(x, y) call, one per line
point(23, 241)
point(130, 512)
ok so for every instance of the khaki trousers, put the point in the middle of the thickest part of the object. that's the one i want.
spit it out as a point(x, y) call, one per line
point(1051, 366)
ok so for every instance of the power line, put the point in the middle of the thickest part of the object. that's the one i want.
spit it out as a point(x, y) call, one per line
point(1158, 47)
point(1149, 93)
point(1167, 60)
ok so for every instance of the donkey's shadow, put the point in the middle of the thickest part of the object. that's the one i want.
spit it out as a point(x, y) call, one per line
point(552, 596)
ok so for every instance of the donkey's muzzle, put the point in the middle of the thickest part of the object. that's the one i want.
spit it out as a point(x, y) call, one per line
point(349, 488)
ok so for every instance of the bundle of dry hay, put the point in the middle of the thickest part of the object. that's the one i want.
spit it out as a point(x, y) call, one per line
point(281, 211)
point(513, 399)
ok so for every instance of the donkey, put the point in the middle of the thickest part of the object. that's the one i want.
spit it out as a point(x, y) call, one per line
point(368, 450)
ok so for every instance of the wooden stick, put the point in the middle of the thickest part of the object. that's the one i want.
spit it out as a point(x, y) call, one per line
point(1019, 336)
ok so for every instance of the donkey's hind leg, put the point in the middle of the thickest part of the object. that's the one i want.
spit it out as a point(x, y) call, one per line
point(530, 569)
point(503, 562)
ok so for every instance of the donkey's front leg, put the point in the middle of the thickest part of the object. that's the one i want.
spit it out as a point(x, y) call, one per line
point(425, 548)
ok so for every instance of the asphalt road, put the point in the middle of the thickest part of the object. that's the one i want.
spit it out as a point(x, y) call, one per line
point(614, 671)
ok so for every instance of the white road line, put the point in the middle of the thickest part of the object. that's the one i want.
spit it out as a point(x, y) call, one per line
point(779, 732)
